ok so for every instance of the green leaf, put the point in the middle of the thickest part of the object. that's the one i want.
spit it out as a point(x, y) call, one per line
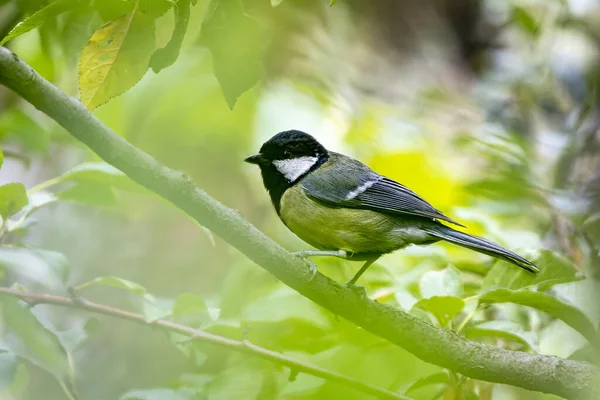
point(90, 193)
point(588, 353)
point(504, 329)
point(554, 269)
point(113, 9)
point(27, 337)
point(446, 282)
point(156, 8)
point(31, 264)
point(242, 380)
point(37, 200)
point(162, 58)
point(8, 369)
point(13, 197)
point(25, 129)
point(99, 172)
point(275, 3)
point(234, 40)
point(1, 158)
point(444, 308)
point(190, 309)
point(154, 308)
point(38, 18)
point(525, 20)
point(113, 281)
point(405, 299)
point(285, 304)
point(568, 313)
point(74, 338)
point(434, 379)
point(115, 58)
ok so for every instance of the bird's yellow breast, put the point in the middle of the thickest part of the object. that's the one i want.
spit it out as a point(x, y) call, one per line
point(328, 228)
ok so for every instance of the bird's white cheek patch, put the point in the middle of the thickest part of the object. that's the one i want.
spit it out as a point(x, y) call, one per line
point(294, 168)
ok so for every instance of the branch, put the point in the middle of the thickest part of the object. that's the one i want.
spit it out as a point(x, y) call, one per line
point(244, 346)
point(442, 347)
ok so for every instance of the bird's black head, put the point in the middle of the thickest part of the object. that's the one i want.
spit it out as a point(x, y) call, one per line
point(285, 159)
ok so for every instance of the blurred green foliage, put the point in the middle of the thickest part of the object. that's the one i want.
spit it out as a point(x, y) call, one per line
point(226, 76)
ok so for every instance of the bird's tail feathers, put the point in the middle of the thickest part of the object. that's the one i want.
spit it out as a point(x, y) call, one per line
point(481, 245)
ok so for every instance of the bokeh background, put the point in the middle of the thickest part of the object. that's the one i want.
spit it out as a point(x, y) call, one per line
point(488, 109)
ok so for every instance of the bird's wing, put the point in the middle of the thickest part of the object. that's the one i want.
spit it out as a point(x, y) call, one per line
point(345, 182)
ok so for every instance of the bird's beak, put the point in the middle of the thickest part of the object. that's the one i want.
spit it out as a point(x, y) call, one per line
point(255, 159)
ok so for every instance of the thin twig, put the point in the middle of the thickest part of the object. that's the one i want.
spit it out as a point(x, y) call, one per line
point(244, 346)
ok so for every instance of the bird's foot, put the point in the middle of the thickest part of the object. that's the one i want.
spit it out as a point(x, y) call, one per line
point(312, 268)
point(360, 290)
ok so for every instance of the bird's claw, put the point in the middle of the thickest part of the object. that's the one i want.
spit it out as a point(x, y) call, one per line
point(312, 268)
point(362, 292)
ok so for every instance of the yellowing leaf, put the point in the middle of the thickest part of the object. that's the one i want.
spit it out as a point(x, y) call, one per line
point(115, 58)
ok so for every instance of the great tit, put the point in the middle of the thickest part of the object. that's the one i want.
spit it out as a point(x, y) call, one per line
point(345, 209)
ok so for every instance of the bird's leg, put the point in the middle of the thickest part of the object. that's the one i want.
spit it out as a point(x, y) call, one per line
point(321, 253)
point(318, 253)
point(361, 271)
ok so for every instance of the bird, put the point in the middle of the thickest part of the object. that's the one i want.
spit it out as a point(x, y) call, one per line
point(345, 209)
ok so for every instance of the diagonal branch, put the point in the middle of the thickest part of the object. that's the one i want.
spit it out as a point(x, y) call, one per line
point(195, 334)
point(572, 379)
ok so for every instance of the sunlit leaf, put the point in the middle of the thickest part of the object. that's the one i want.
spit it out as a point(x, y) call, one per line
point(405, 299)
point(234, 40)
point(275, 3)
point(434, 379)
point(568, 313)
point(8, 369)
point(13, 198)
point(446, 282)
point(26, 337)
point(444, 308)
point(554, 269)
point(115, 58)
point(162, 58)
point(39, 17)
point(506, 330)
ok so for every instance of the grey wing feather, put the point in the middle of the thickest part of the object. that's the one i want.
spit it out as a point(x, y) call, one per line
point(346, 182)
